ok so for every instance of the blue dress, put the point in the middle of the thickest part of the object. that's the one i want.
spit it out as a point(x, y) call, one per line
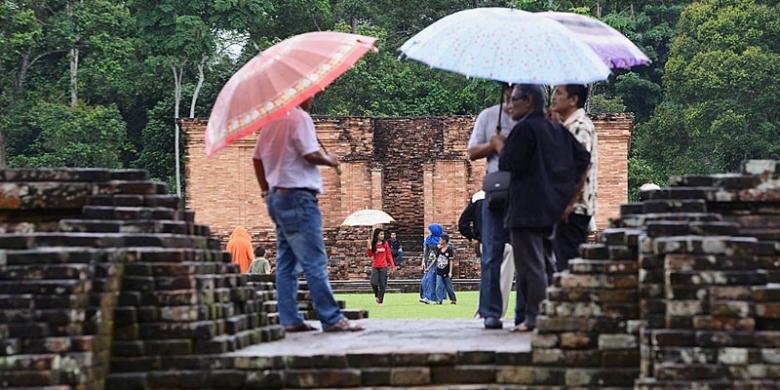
point(428, 282)
point(430, 249)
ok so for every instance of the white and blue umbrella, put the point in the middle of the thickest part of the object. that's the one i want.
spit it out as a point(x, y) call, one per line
point(506, 45)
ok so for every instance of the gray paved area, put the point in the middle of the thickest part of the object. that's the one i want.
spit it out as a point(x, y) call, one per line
point(397, 336)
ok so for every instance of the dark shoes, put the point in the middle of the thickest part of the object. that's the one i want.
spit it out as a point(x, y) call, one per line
point(493, 323)
point(343, 326)
point(302, 327)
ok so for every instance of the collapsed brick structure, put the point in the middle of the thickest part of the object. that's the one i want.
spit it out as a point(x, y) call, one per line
point(415, 168)
point(103, 280)
point(106, 281)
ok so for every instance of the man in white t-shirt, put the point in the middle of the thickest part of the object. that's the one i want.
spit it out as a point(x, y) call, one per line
point(285, 159)
point(494, 234)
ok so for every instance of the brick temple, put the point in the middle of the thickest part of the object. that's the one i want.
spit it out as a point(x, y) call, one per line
point(108, 282)
point(416, 169)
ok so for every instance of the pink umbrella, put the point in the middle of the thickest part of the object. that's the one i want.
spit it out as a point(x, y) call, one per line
point(278, 80)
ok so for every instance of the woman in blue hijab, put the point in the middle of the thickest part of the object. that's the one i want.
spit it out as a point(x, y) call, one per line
point(430, 249)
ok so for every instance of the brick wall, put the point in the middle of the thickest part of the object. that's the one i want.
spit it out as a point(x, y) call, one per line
point(416, 169)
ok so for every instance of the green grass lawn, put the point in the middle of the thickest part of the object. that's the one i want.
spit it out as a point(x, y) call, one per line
point(398, 305)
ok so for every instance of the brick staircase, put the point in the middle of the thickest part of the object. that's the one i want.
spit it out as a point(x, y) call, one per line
point(106, 281)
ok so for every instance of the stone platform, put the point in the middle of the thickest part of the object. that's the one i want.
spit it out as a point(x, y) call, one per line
point(387, 337)
point(451, 353)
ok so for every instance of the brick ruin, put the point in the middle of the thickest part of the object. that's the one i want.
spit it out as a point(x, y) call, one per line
point(106, 281)
point(414, 168)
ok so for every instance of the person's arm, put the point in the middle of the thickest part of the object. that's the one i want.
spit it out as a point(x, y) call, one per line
point(479, 145)
point(321, 158)
point(479, 151)
point(451, 254)
point(582, 165)
point(260, 175)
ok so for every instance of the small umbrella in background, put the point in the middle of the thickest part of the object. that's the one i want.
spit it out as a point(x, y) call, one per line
point(367, 217)
point(617, 51)
point(278, 80)
point(506, 45)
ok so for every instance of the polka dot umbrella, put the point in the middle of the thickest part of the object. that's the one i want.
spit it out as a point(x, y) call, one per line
point(506, 45)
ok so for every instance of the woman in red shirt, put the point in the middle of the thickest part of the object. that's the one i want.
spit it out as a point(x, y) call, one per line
point(382, 258)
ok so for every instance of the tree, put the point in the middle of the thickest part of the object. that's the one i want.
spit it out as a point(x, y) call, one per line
point(720, 105)
point(79, 136)
point(183, 33)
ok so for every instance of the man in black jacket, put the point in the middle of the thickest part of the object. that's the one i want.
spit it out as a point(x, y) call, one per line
point(470, 221)
point(546, 163)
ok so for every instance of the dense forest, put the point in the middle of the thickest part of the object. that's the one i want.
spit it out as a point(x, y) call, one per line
point(99, 82)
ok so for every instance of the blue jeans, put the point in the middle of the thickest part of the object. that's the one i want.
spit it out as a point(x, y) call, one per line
point(494, 236)
point(444, 288)
point(299, 244)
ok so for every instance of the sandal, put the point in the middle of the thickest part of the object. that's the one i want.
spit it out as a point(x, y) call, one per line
point(302, 327)
point(343, 326)
point(522, 328)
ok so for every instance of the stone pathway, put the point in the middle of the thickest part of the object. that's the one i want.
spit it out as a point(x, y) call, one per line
point(396, 336)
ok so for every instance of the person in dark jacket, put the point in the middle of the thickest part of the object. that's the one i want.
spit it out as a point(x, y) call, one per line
point(470, 221)
point(546, 163)
point(396, 250)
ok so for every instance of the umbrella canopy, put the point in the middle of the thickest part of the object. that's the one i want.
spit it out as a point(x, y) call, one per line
point(368, 217)
point(614, 48)
point(506, 45)
point(279, 79)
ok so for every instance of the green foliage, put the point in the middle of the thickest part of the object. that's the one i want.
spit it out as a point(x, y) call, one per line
point(81, 136)
point(158, 136)
point(720, 105)
point(601, 104)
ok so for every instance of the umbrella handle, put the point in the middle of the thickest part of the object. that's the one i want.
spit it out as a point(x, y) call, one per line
point(337, 168)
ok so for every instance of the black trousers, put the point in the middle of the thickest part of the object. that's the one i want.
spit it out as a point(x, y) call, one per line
point(379, 282)
point(532, 253)
point(568, 237)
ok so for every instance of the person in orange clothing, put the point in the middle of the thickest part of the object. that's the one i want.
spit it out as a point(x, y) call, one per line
point(240, 248)
point(382, 258)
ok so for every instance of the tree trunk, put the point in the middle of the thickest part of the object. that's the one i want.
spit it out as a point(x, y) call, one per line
point(23, 67)
point(177, 76)
point(74, 73)
point(2, 150)
point(201, 78)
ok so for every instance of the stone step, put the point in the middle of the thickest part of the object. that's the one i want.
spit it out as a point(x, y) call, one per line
point(167, 201)
point(712, 245)
point(594, 251)
point(582, 266)
point(681, 193)
point(620, 236)
point(163, 269)
point(727, 181)
point(128, 213)
point(46, 271)
point(640, 220)
point(683, 228)
point(101, 240)
point(132, 226)
point(556, 294)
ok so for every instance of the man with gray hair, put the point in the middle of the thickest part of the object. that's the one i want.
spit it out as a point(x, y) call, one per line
point(546, 163)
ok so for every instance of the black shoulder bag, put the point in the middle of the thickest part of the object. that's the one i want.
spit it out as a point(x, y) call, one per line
point(496, 184)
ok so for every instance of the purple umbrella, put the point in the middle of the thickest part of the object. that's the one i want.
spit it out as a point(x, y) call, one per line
point(614, 48)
